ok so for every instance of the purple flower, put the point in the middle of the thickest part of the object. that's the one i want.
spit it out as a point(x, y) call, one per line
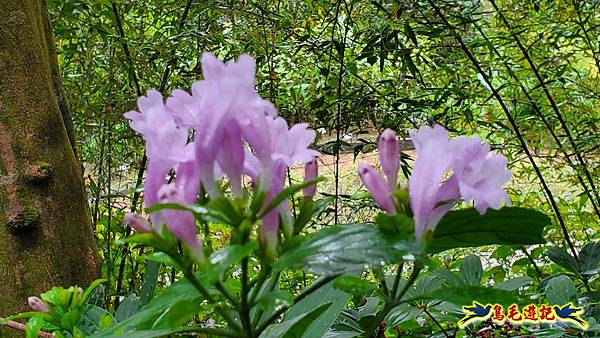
point(389, 156)
point(138, 223)
point(378, 187)
point(311, 171)
point(166, 143)
point(425, 185)
point(267, 162)
point(181, 223)
point(215, 110)
point(37, 304)
point(480, 174)
point(269, 225)
point(231, 157)
point(236, 133)
point(474, 175)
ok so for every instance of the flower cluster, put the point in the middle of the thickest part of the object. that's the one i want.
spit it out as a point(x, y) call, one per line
point(236, 133)
point(446, 171)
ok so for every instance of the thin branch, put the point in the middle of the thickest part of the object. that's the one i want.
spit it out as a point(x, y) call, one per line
point(21, 327)
point(539, 113)
point(542, 83)
point(513, 124)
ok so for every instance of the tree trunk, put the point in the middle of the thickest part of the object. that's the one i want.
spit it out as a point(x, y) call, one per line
point(46, 236)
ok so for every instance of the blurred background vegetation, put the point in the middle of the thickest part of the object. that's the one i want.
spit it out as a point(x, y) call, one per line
point(523, 75)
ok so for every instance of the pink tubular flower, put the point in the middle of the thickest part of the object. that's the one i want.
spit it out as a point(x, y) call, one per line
point(389, 156)
point(138, 223)
point(166, 144)
point(273, 154)
point(378, 187)
point(311, 171)
point(181, 223)
point(475, 175)
point(236, 133)
point(37, 304)
point(480, 174)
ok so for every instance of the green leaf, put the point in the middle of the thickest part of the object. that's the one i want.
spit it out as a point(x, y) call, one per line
point(325, 294)
point(560, 290)
point(287, 192)
point(90, 289)
point(296, 326)
point(355, 286)
point(424, 285)
point(150, 280)
point(195, 209)
point(449, 277)
point(71, 318)
point(161, 257)
point(353, 247)
point(514, 283)
point(129, 306)
point(589, 256)
point(232, 254)
point(94, 318)
point(97, 296)
point(33, 326)
point(143, 319)
point(402, 313)
point(466, 295)
point(307, 209)
point(507, 226)
point(58, 296)
point(563, 259)
point(395, 224)
point(471, 270)
point(148, 333)
point(178, 314)
point(274, 299)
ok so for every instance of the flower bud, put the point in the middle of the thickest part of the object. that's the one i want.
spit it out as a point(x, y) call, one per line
point(37, 304)
point(378, 188)
point(389, 156)
point(138, 223)
point(311, 171)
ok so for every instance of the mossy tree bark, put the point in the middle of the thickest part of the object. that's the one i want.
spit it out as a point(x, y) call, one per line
point(46, 236)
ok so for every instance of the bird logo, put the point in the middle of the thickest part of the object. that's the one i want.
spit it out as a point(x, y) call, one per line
point(570, 313)
point(475, 312)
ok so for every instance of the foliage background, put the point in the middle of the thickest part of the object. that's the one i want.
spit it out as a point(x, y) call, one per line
point(351, 69)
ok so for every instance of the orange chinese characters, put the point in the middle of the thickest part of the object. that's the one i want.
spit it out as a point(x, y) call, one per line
point(514, 315)
point(530, 313)
point(547, 313)
point(497, 314)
